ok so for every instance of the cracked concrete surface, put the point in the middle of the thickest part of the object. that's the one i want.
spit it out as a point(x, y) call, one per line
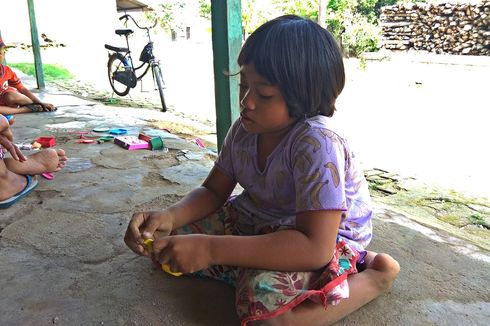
point(63, 260)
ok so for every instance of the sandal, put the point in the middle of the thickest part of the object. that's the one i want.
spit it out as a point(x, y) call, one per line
point(31, 184)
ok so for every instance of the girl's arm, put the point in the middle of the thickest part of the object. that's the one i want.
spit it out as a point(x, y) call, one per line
point(308, 247)
point(29, 94)
point(203, 200)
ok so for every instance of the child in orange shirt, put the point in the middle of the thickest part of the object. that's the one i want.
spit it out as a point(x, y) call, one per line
point(14, 97)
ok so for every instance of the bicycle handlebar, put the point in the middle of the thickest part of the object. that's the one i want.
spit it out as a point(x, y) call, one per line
point(126, 16)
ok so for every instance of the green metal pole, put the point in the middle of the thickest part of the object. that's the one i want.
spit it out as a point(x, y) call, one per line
point(36, 49)
point(226, 21)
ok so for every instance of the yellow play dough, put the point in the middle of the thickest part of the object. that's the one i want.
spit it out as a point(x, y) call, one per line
point(165, 267)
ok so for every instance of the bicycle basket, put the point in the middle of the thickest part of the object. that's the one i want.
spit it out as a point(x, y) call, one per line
point(147, 53)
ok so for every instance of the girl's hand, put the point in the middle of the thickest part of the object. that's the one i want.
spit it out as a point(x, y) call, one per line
point(12, 148)
point(184, 253)
point(144, 225)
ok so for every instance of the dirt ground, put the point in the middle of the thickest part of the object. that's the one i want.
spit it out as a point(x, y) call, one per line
point(63, 261)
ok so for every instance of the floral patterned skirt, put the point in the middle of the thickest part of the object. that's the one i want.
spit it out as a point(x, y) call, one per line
point(264, 294)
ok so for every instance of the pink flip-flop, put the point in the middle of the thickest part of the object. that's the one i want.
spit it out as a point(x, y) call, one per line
point(86, 141)
point(48, 175)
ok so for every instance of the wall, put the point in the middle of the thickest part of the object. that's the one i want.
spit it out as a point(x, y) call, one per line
point(460, 28)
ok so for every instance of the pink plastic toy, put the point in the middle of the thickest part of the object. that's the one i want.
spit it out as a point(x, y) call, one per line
point(131, 142)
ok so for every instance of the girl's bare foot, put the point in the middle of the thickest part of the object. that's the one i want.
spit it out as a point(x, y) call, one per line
point(10, 184)
point(47, 160)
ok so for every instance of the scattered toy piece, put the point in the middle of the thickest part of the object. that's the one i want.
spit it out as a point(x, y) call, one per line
point(199, 142)
point(104, 139)
point(46, 141)
point(118, 131)
point(48, 175)
point(24, 146)
point(86, 141)
point(144, 137)
point(131, 142)
point(36, 145)
point(157, 144)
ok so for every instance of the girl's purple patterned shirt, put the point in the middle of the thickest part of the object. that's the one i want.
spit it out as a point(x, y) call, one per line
point(312, 168)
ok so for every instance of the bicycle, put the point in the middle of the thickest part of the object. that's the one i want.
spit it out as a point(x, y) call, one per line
point(120, 68)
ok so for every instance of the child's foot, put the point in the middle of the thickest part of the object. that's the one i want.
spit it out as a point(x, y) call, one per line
point(11, 184)
point(62, 159)
point(378, 276)
point(387, 267)
point(47, 160)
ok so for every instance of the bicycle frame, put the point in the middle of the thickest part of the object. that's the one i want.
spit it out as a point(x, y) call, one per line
point(124, 72)
point(126, 57)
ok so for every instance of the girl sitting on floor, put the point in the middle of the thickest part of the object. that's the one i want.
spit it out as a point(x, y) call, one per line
point(293, 243)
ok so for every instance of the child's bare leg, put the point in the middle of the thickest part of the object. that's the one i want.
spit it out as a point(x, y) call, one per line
point(8, 133)
point(379, 275)
point(15, 98)
point(10, 183)
point(5, 128)
point(47, 160)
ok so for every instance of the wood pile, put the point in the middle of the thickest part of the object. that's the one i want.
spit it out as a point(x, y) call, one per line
point(439, 28)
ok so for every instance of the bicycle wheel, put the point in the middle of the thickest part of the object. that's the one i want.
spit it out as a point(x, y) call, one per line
point(116, 65)
point(157, 74)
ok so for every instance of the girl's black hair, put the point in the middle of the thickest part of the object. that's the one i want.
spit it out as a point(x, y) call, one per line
point(302, 59)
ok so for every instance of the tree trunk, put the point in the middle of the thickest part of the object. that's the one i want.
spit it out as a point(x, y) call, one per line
point(322, 12)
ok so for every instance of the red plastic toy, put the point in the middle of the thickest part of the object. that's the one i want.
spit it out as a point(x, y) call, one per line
point(46, 141)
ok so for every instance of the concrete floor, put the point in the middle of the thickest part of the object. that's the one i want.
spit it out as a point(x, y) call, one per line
point(63, 260)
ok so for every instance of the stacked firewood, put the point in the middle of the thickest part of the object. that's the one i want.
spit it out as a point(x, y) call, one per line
point(439, 28)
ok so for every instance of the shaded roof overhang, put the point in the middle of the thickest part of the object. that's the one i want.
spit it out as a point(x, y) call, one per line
point(131, 5)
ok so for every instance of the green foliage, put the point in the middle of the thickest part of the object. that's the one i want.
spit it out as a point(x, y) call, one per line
point(255, 13)
point(205, 8)
point(360, 36)
point(478, 219)
point(367, 8)
point(169, 14)
point(352, 22)
point(51, 72)
point(303, 8)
